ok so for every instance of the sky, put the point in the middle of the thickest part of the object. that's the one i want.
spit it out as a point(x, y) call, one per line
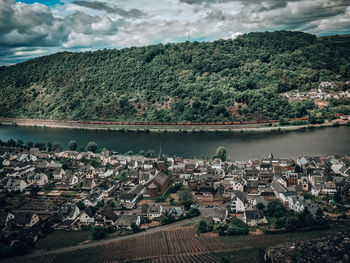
point(30, 28)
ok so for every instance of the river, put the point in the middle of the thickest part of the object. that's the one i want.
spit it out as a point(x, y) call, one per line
point(240, 146)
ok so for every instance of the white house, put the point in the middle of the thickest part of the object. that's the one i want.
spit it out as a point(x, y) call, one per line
point(40, 179)
point(220, 215)
point(254, 218)
point(93, 198)
point(238, 202)
point(58, 174)
point(15, 185)
point(152, 211)
point(87, 217)
point(69, 211)
point(125, 221)
point(70, 179)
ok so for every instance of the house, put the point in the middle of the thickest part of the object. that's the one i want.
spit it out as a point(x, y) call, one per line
point(238, 202)
point(70, 179)
point(69, 211)
point(315, 190)
point(254, 218)
point(292, 178)
point(253, 187)
point(152, 211)
point(277, 188)
point(261, 200)
point(40, 179)
point(220, 215)
point(158, 185)
point(94, 197)
point(5, 217)
point(144, 177)
point(105, 174)
point(87, 184)
point(283, 196)
point(109, 217)
point(128, 199)
point(58, 173)
point(14, 185)
point(27, 219)
point(87, 216)
point(125, 221)
point(237, 184)
point(329, 188)
point(176, 211)
point(107, 187)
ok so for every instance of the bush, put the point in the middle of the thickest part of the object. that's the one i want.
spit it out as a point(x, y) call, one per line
point(135, 228)
point(237, 227)
point(91, 147)
point(98, 232)
point(203, 227)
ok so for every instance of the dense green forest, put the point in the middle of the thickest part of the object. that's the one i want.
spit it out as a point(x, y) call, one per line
point(191, 81)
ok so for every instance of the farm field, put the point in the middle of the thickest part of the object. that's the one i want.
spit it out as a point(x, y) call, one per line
point(180, 244)
point(62, 239)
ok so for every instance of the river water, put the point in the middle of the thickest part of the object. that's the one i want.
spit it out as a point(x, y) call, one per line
point(240, 146)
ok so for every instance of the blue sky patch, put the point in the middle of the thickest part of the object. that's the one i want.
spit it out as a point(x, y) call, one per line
point(49, 3)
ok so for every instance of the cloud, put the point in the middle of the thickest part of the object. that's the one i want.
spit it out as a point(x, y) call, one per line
point(132, 13)
point(29, 30)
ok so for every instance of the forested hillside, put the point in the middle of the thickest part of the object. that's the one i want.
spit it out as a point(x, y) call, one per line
point(191, 81)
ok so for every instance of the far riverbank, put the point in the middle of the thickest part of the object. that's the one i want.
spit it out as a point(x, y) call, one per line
point(163, 128)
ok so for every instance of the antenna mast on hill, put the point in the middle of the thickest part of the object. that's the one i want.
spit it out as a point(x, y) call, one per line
point(188, 34)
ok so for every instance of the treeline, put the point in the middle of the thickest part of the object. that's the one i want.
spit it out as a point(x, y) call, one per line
point(191, 81)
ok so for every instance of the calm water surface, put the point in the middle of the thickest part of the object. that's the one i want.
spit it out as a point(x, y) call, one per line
point(240, 146)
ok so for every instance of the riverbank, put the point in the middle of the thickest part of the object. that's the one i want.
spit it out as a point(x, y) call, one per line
point(162, 128)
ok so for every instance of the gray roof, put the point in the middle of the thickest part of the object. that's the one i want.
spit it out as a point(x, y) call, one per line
point(253, 214)
point(126, 220)
point(220, 213)
point(240, 196)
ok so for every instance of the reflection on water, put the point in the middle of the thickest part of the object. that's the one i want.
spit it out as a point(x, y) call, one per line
point(240, 146)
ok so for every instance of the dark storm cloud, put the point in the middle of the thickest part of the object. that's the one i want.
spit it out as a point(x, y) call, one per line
point(133, 13)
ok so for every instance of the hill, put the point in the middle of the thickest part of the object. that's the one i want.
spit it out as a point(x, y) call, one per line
point(191, 81)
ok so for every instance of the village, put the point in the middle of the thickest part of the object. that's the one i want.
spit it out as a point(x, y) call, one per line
point(44, 192)
point(326, 90)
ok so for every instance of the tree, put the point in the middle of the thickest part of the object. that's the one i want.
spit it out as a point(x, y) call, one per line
point(280, 222)
point(150, 153)
point(49, 146)
point(34, 191)
point(56, 146)
point(275, 209)
point(221, 153)
point(91, 147)
point(55, 218)
point(337, 197)
point(305, 218)
point(203, 227)
point(135, 228)
point(237, 227)
point(29, 144)
point(260, 206)
point(72, 145)
point(185, 197)
point(20, 142)
point(98, 232)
